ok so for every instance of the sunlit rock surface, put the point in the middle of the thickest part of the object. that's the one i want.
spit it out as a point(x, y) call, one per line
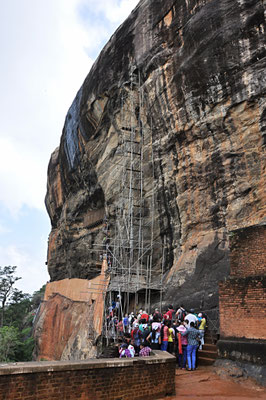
point(69, 321)
point(202, 70)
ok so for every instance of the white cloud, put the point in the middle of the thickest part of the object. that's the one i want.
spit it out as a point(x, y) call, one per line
point(33, 271)
point(47, 49)
point(22, 176)
point(43, 64)
point(44, 60)
point(4, 229)
point(115, 11)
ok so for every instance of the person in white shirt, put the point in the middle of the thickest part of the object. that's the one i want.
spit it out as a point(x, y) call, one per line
point(192, 317)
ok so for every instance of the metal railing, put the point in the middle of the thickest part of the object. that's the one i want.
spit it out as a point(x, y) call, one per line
point(213, 321)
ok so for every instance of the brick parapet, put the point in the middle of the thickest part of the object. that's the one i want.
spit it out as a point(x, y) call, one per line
point(113, 379)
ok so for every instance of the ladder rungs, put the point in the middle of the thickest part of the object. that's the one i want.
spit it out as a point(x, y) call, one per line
point(124, 128)
point(132, 152)
point(132, 141)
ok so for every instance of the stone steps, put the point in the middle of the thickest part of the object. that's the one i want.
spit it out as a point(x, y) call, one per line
point(205, 360)
point(210, 338)
point(209, 353)
point(210, 347)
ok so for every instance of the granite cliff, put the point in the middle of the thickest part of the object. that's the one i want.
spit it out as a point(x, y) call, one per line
point(201, 65)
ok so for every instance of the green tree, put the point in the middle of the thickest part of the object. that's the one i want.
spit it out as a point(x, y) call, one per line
point(18, 310)
point(25, 345)
point(7, 281)
point(9, 342)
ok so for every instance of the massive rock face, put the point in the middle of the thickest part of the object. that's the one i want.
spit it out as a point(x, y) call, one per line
point(201, 65)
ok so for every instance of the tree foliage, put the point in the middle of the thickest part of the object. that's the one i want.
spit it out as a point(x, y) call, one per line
point(17, 313)
point(18, 308)
point(9, 342)
point(24, 349)
point(7, 281)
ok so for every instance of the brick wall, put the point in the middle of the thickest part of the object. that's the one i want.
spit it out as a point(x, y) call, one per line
point(242, 296)
point(243, 308)
point(113, 379)
point(248, 251)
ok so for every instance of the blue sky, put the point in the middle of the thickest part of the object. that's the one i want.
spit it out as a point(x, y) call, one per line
point(47, 49)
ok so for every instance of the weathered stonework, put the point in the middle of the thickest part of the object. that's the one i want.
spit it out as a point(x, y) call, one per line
point(202, 69)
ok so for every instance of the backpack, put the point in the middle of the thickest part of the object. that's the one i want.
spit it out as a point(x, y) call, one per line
point(137, 337)
point(183, 315)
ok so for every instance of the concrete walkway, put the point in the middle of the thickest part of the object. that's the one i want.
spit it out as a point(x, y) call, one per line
point(204, 383)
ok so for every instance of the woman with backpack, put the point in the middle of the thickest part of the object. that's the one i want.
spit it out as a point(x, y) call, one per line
point(181, 314)
point(154, 338)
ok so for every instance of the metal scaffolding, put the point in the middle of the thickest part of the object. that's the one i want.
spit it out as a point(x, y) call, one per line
point(130, 248)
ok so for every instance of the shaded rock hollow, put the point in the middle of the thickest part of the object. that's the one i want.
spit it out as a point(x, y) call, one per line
point(201, 65)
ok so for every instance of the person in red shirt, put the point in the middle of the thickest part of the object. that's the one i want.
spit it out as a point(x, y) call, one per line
point(120, 328)
point(165, 316)
point(170, 312)
point(144, 316)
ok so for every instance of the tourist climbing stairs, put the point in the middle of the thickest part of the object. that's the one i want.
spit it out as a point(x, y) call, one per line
point(208, 354)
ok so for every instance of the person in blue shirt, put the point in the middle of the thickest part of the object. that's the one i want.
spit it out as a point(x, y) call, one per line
point(192, 337)
point(126, 323)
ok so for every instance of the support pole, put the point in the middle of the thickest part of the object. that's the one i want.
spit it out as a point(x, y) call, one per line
point(161, 291)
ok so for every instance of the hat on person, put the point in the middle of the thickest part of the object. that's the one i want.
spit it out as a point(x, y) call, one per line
point(200, 314)
point(155, 326)
point(181, 328)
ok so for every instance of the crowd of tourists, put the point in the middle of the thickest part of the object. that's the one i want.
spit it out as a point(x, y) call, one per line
point(179, 332)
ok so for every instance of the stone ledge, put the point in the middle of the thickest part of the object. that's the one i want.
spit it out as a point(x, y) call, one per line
point(253, 351)
point(157, 357)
